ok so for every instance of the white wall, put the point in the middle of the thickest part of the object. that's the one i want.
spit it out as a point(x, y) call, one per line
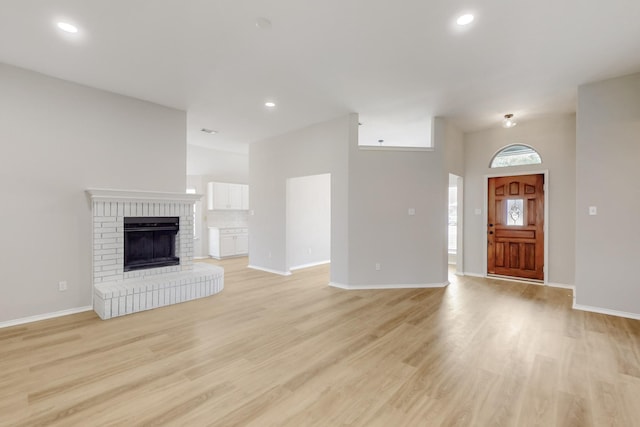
point(317, 149)
point(453, 148)
point(308, 220)
point(383, 185)
point(554, 138)
point(216, 165)
point(371, 192)
point(58, 139)
point(608, 176)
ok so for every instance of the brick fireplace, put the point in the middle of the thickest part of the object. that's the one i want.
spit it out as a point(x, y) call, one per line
point(118, 292)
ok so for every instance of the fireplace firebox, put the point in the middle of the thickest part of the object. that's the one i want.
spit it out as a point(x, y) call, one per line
point(150, 242)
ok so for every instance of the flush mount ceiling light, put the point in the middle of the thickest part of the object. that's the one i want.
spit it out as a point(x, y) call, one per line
point(270, 104)
point(465, 19)
point(509, 121)
point(67, 28)
point(209, 131)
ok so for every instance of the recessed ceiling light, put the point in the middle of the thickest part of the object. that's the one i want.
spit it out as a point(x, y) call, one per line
point(269, 104)
point(68, 28)
point(209, 131)
point(465, 19)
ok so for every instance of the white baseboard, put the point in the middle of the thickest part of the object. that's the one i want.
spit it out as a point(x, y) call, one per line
point(268, 270)
point(45, 316)
point(599, 310)
point(473, 275)
point(311, 264)
point(389, 286)
point(561, 285)
point(201, 257)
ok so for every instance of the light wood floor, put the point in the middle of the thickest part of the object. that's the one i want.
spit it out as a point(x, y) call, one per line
point(274, 351)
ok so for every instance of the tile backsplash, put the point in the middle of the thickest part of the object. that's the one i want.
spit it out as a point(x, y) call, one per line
point(227, 218)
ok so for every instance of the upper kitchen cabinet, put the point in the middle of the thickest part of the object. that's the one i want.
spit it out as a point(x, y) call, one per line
point(226, 196)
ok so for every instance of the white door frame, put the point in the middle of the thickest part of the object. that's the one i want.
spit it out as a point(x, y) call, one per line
point(544, 172)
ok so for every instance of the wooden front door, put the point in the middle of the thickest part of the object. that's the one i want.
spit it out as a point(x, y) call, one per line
point(515, 226)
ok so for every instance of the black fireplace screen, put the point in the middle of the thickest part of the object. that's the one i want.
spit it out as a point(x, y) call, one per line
point(150, 242)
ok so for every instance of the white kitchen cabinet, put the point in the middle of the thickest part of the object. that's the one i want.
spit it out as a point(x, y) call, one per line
point(242, 243)
point(228, 242)
point(226, 196)
point(245, 198)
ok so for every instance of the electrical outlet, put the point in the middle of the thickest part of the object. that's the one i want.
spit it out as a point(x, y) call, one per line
point(378, 266)
point(309, 251)
point(62, 286)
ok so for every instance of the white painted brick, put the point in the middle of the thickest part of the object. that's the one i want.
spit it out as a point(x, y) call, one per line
point(107, 209)
point(129, 306)
point(102, 241)
point(104, 219)
point(103, 274)
point(122, 305)
point(127, 209)
point(115, 310)
point(136, 303)
point(143, 301)
point(104, 252)
point(99, 209)
point(105, 262)
point(112, 235)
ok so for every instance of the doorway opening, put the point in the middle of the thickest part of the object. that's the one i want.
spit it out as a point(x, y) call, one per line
point(454, 223)
point(516, 220)
point(308, 221)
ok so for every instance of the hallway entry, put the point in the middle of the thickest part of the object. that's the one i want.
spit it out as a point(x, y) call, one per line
point(515, 226)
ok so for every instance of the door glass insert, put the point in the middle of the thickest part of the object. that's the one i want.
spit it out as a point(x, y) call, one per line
point(515, 213)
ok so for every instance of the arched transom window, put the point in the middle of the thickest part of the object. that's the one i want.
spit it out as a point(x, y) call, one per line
point(515, 155)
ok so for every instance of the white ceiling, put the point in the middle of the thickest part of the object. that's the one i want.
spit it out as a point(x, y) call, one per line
point(322, 59)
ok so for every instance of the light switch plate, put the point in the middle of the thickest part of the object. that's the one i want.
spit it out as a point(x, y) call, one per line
point(593, 210)
point(412, 211)
point(478, 211)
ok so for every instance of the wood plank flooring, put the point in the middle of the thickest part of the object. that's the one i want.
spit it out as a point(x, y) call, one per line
point(291, 351)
